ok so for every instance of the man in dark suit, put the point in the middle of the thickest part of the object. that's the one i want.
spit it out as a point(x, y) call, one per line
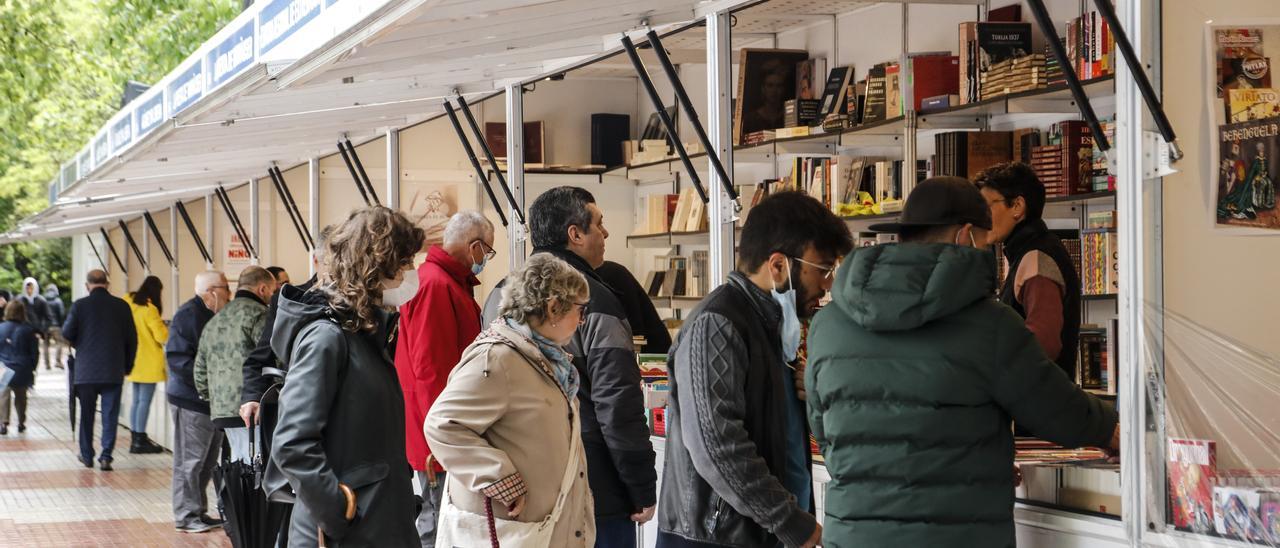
point(100, 328)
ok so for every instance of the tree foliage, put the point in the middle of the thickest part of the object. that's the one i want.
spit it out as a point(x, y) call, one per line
point(63, 66)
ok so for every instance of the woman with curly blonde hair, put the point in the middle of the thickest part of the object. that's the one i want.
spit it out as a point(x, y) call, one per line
point(340, 444)
point(506, 426)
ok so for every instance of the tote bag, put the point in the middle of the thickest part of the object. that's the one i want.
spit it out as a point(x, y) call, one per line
point(463, 529)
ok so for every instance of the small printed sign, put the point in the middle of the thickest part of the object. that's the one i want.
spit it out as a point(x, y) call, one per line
point(229, 58)
point(281, 18)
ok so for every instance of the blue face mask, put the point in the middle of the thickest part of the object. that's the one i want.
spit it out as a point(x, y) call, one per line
point(477, 268)
point(790, 329)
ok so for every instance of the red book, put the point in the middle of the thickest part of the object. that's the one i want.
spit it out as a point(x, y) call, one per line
point(931, 75)
point(1192, 468)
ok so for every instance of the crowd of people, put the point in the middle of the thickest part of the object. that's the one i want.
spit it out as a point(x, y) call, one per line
point(523, 421)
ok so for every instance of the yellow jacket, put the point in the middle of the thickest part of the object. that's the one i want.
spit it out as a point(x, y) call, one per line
point(149, 366)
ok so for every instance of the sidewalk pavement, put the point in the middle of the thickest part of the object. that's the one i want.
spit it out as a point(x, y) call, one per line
point(48, 499)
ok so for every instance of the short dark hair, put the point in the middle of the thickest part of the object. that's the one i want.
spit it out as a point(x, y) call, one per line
point(96, 277)
point(788, 223)
point(15, 311)
point(275, 271)
point(555, 211)
point(1013, 180)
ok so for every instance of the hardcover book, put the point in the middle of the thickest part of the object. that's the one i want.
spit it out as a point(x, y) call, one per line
point(766, 80)
point(1235, 513)
point(932, 75)
point(876, 107)
point(1244, 105)
point(835, 93)
point(1250, 153)
point(1192, 469)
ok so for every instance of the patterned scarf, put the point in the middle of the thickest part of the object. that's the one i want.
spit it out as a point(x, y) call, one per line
point(561, 362)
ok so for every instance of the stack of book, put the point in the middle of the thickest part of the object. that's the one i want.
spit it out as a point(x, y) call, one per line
point(986, 44)
point(759, 137)
point(1053, 74)
point(1099, 266)
point(1014, 75)
point(1065, 164)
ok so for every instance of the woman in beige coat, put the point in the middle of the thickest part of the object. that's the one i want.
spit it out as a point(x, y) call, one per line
point(504, 428)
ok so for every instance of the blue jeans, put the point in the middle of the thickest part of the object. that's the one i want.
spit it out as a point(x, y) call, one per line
point(615, 532)
point(87, 395)
point(142, 394)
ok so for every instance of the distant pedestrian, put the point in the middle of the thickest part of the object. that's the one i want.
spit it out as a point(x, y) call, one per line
point(38, 316)
point(19, 350)
point(195, 440)
point(100, 328)
point(148, 367)
point(54, 344)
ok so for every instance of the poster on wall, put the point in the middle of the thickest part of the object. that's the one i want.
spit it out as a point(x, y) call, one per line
point(430, 206)
point(1245, 145)
point(236, 253)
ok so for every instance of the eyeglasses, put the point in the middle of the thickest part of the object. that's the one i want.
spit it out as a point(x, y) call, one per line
point(489, 251)
point(582, 311)
point(828, 270)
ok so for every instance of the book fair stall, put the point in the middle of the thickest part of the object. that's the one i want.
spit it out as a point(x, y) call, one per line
point(679, 116)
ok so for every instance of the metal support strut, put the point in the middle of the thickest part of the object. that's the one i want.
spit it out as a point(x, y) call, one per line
point(95, 251)
point(290, 206)
point(1108, 13)
point(112, 248)
point(364, 177)
point(346, 159)
point(1073, 80)
point(475, 162)
point(687, 106)
point(151, 224)
point(232, 216)
point(666, 119)
point(493, 163)
point(191, 227)
point(128, 238)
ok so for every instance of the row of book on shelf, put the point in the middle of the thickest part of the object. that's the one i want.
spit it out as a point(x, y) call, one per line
point(1203, 500)
point(1064, 157)
point(678, 276)
point(993, 58)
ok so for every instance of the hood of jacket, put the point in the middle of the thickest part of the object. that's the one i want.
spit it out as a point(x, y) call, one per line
point(32, 283)
point(295, 310)
point(898, 287)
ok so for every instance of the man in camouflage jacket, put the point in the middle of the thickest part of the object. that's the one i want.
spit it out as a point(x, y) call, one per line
point(226, 340)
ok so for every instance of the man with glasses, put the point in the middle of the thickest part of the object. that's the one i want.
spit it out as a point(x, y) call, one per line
point(737, 469)
point(195, 439)
point(439, 319)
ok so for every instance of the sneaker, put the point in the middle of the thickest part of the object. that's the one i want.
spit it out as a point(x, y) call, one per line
point(88, 463)
point(211, 521)
point(106, 465)
point(194, 527)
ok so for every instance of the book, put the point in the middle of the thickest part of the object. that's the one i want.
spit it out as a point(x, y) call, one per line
point(984, 44)
point(1248, 73)
point(495, 137)
point(932, 75)
point(800, 112)
point(967, 153)
point(1250, 154)
point(808, 73)
point(1234, 47)
point(1245, 105)
point(766, 80)
point(1192, 469)
point(608, 131)
point(893, 90)
point(939, 102)
point(875, 108)
point(835, 92)
point(1235, 513)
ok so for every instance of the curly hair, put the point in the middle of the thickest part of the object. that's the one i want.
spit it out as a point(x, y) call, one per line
point(372, 245)
point(543, 278)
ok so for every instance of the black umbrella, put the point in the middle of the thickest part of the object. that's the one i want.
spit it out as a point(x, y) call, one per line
point(251, 521)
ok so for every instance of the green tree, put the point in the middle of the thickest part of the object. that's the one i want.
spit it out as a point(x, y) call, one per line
point(63, 66)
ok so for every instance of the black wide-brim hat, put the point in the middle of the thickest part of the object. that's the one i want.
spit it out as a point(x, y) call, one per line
point(941, 201)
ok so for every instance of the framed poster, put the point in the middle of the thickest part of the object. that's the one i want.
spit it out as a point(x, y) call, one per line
point(766, 80)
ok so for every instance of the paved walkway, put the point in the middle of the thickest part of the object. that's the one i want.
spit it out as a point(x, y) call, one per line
point(48, 499)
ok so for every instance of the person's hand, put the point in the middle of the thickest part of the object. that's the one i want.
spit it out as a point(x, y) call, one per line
point(644, 515)
point(1017, 476)
point(1113, 452)
point(251, 413)
point(516, 507)
point(815, 539)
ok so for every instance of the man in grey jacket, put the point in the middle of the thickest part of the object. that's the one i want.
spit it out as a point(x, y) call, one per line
point(737, 469)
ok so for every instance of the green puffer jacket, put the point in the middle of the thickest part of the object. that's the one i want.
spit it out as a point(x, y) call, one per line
point(915, 372)
point(225, 343)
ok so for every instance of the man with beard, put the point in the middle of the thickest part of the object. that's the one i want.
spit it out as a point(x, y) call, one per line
point(737, 469)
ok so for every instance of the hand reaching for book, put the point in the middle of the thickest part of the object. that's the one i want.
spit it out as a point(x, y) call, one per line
point(1113, 451)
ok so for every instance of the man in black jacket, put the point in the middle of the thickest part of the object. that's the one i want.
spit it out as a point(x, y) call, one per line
point(737, 469)
point(195, 439)
point(100, 328)
point(566, 222)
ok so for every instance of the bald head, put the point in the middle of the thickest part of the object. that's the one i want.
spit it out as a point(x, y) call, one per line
point(96, 278)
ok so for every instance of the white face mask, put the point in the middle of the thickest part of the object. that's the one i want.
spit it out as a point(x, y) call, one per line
point(790, 330)
point(403, 293)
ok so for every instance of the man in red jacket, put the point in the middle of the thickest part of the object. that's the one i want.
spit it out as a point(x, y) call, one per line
point(439, 318)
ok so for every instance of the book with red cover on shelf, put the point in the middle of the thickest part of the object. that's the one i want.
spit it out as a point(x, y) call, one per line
point(1192, 469)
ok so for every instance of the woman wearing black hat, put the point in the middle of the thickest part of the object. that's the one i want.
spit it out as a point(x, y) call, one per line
point(1042, 284)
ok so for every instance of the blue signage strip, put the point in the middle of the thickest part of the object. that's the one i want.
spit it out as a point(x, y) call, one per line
point(150, 113)
point(229, 58)
point(121, 133)
point(281, 18)
point(186, 88)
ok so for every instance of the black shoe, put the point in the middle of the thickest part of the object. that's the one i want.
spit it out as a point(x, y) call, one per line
point(88, 463)
point(4, 429)
point(194, 527)
point(106, 465)
point(211, 521)
point(22, 428)
point(135, 444)
point(150, 446)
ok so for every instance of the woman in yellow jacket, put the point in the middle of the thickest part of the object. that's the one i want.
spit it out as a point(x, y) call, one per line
point(149, 366)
